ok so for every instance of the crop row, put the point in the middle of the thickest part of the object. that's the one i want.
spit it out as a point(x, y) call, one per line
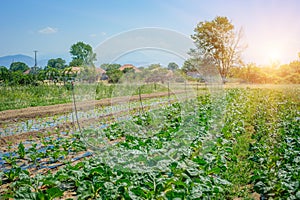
point(38, 124)
point(240, 143)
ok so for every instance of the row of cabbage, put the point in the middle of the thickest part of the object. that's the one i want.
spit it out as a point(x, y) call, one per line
point(237, 143)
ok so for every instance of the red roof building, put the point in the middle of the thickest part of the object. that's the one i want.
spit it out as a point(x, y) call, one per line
point(128, 66)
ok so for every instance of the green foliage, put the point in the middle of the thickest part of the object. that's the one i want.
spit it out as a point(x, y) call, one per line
point(113, 72)
point(18, 66)
point(285, 74)
point(76, 62)
point(4, 75)
point(21, 150)
point(128, 70)
point(218, 44)
point(213, 147)
point(57, 63)
point(15, 97)
point(105, 66)
point(188, 66)
point(52, 74)
point(173, 66)
point(82, 54)
point(114, 75)
point(109, 67)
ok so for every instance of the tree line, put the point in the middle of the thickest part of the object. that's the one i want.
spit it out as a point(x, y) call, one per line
point(283, 74)
point(219, 46)
point(56, 70)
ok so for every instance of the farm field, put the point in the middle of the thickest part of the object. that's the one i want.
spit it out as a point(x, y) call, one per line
point(150, 100)
point(234, 143)
point(16, 97)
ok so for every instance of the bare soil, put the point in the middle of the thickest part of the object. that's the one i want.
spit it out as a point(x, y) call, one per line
point(10, 116)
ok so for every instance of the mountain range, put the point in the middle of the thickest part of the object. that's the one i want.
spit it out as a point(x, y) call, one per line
point(7, 60)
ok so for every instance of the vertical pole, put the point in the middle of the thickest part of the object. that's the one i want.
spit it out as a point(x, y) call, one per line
point(75, 108)
point(169, 91)
point(185, 89)
point(35, 61)
point(140, 97)
point(197, 89)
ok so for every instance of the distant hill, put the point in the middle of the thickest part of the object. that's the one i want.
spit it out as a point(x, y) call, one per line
point(7, 60)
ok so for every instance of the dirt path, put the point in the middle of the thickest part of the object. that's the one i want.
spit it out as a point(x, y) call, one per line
point(10, 116)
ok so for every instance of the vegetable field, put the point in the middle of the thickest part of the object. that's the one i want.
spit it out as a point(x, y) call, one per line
point(239, 143)
point(15, 97)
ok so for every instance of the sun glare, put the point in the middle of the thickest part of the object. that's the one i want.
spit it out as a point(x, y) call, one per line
point(274, 55)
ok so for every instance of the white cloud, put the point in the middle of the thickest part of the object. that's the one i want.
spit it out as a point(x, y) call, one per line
point(48, 30)
point(95, 35)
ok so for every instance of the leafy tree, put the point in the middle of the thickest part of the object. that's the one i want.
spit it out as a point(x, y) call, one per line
point(173, 66)
point(41, 76)
point(4, 74)
point(295, 67)
point(290, 72)
point(114, 75)
point(75, 63)
point(188, 66)
point(113, 72)
point(19, 78)
point(112, 67)
point(52, 74)
point(82, 54)
point(57, 63)
point(68, 75)
point(218, 44)
point(18, 66)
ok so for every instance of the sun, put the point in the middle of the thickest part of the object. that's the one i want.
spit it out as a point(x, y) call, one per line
point(274, 55)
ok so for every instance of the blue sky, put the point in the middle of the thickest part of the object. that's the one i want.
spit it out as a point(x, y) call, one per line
point(271, 27)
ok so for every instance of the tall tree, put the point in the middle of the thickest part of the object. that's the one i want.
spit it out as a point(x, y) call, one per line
point(18, 66)
point(173, 66)
point(219, 44)
point(82, 54)
point(57, 63)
